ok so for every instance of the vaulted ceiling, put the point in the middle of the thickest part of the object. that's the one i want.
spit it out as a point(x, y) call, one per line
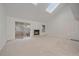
point(37, 12)
point(28, 11)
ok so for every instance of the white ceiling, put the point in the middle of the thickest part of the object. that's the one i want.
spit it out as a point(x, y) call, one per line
point(28, 11)
point(37, 12)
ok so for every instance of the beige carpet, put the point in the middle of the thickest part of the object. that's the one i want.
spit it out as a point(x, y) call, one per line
point(41, 46)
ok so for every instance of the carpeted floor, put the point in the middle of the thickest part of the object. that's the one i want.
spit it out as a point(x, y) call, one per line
point(41, 46)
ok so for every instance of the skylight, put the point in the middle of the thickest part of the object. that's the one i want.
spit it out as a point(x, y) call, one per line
point(51, 7)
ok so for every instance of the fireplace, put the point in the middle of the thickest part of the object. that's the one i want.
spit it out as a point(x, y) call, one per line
point(36, 32)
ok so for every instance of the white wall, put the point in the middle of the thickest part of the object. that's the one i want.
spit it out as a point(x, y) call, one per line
point(28, 11)
point(3, 36)
point(64, 25)
point(11, 26)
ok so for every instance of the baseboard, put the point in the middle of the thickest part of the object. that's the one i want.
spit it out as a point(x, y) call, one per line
point(75, 40)
point(59, 36)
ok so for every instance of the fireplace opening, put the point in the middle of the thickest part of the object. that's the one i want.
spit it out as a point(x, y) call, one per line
point(36, 32)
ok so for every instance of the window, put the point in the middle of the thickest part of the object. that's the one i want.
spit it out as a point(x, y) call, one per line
point(51, 7)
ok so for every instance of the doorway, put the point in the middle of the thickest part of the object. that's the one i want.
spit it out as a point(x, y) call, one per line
point(22, 30)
